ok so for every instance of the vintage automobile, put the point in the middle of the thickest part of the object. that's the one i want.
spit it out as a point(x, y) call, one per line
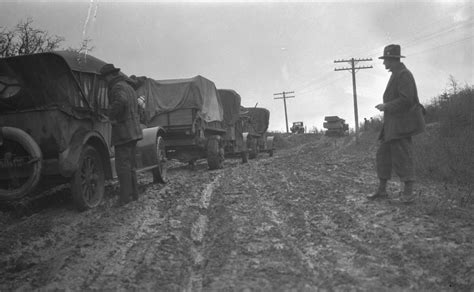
point(235, 140)
point(256, 125)
point(54, 128)
point(190, 112)
point(297, 128)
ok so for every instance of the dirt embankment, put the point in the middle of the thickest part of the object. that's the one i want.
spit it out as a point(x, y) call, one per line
point(295, 221)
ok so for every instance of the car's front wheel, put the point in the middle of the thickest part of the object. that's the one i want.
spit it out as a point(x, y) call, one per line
point(88, 182)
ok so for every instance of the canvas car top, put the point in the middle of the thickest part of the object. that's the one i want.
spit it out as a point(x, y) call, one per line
point(43, 79)
point(230, 101)
point(168, 95)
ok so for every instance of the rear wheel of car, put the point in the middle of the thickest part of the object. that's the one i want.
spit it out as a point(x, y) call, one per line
point(88, 182)
point(160, 172)
point(215, 154)
point(20, 164)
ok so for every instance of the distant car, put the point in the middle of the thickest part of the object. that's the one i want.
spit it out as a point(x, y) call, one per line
point(54, 128)
point(297, 128)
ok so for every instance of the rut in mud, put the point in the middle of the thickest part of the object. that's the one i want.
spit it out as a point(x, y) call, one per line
point(296, 221)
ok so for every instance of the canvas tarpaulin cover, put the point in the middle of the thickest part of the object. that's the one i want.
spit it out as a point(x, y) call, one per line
point(162, 96)
point(230, 101)
point(41, 80)
point(259, 119)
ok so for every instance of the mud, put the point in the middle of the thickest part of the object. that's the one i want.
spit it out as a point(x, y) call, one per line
point(297, 221)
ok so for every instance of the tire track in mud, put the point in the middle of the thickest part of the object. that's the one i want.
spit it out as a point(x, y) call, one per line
point(154, 243)
point(133, 248)
point(168, 256)
point(274, 206)
point(198, 231)
point(251, 246)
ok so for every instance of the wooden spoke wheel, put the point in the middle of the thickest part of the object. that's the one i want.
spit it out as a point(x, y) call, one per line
point(88, 182)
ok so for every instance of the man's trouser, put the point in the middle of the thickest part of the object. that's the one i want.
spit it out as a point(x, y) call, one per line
point(396, 154)
point(125, 166)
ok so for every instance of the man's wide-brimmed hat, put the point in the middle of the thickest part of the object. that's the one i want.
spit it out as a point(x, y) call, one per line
point(108, 69)
point(392, 51)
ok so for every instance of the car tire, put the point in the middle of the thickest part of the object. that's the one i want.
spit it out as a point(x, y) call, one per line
point(161, 171)
point(215, 154)
point(88, 181)
point(35, 163)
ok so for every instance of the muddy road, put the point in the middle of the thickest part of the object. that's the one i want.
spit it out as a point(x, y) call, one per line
point(297, 221)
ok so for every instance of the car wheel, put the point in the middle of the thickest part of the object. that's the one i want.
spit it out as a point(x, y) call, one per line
point(215, 154)
point(88, 182)
point(161, 171)
point(21, 164)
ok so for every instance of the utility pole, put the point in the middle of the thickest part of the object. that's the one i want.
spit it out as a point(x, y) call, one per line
point(284, 97)
point(353, 61)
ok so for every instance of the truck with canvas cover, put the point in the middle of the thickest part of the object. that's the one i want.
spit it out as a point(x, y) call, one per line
point(235, 141)
point(256, 120)
point(190, 112)
point(335, 126)
point(54, 128)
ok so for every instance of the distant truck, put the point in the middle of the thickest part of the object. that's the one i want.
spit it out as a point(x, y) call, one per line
point(235, 142)
point(297, 128)
point(335, 126)
point(255, 125)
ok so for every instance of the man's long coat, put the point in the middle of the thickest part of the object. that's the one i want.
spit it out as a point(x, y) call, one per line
point(403, 115)
point(123, 112)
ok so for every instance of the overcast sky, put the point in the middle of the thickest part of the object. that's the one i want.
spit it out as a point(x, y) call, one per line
point(259, 49)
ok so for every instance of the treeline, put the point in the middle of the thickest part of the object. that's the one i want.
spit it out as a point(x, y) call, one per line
point(446, 150)
point(25, 38)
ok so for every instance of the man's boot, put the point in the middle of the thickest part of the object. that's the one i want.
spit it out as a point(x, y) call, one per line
point(407, 194)
point(381, 192)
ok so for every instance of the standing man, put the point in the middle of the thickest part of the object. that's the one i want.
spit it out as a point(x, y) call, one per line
point(126, 131)
point(403, 118)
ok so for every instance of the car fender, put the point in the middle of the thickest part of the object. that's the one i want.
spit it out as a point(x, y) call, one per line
point(146, 147)
point(69, 158)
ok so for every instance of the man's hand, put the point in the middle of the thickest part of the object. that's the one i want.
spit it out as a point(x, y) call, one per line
point(380, 107)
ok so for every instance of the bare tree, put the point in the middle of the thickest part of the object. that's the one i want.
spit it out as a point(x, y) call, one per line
point(453, 84)
point(84, 48)
point(6, 43)
point(25, 39)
